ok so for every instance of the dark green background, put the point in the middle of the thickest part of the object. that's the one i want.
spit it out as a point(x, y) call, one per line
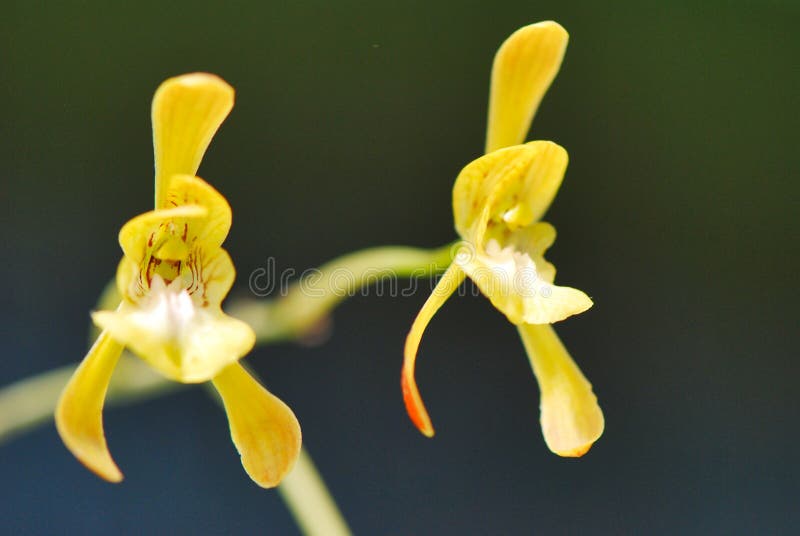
point(678, 216)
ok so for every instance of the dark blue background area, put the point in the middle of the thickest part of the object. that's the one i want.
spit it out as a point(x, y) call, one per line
point(678, 215)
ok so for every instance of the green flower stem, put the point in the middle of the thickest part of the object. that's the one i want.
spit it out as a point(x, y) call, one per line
point(309, 500)
point(31, 402)
point(306, 304)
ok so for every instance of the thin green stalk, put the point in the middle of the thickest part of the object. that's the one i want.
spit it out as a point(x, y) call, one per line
point(31, 402)
point(308, 302)
point(310, 502)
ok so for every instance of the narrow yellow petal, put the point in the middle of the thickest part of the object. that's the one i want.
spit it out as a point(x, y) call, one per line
point(187, 111)
point(79, 413)
point(265, 431)
point(448, 284)
point(571, 419)
point(524, 67)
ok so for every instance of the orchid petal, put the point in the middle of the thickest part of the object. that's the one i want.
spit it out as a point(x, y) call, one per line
point(570, 416)
point(508, 188)
point(265, 431)
point(79, 413)
point(448, 284)
point(187, 111)
point(191, 190)
point(524, 67)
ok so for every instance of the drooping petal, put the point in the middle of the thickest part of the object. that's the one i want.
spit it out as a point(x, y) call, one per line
point(523, 69)
point(448, 284)
point(178, 335)
point(507, 189)
point(265, 431)
point(570, 416)
point(79, 413)
point(187, 111)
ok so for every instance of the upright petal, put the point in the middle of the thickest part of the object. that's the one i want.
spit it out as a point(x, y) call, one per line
point(448, 284)
point(265, 431)
point(79, 413)
point(523, 69)
point(187, 111)
point(571, 419)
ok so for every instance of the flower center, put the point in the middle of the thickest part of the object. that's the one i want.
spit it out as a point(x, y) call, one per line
point(167, 308)
point(515, 271)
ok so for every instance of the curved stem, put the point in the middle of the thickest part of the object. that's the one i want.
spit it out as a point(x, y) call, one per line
point(31, 402)
point(309, 501)
point(306, 304)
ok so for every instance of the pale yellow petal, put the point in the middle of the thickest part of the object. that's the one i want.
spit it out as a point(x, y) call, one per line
point(570, 416)
point(177, 335)
point(187, 111)
point(524, 67)
point(448, 284)
point(507, 189)
point(265, 431)
point(79, 413)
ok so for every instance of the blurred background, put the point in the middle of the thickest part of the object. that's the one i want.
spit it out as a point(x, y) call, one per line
point(678, 215)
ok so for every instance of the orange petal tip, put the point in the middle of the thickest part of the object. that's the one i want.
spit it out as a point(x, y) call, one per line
point(414, 406)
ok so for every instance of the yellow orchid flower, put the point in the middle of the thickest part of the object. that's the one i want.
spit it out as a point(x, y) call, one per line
point(498, 201)
point(173, 278)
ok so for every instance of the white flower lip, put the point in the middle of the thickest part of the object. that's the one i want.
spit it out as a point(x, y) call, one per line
point(166, 309)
